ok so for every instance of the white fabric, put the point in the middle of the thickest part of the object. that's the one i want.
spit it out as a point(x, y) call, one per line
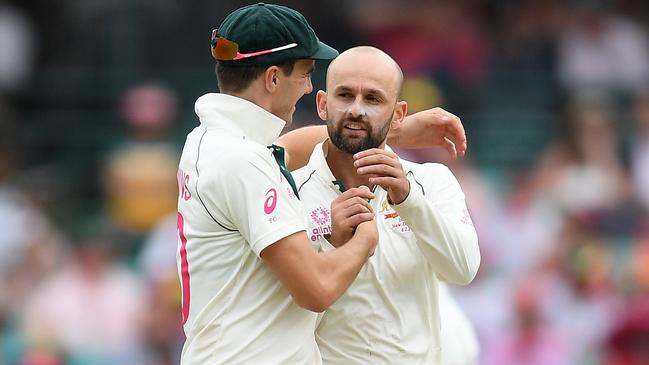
point(460, 344)
point(88, 315)
point(390, 314)
point(239, 312)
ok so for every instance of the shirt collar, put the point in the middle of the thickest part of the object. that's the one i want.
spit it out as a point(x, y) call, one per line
point(318, 163)
point(239, 117)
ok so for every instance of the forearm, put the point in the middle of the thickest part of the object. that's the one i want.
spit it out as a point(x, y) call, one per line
point(447, 239)
point(412, 133)
point(315, 280)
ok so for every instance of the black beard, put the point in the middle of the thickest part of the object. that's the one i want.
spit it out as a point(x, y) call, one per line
point(352, 146)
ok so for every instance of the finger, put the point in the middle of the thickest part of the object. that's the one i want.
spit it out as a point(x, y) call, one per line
point(378, 159)
point(456, 133)
point(364, 153)
point(462, 147)
point(380, 170)
point(460, 143)
point(357, 219)
point(450, 148)
point(355, 201)
point(387, 182)
point(362, 192)
point(341, 206)
point(355, 209)
point(372, 152)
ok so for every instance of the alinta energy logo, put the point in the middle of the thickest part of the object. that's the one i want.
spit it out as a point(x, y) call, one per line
point(320, 215)
point(322, 228)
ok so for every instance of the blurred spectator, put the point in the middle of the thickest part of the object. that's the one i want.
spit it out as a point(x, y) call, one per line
point(640, 148)
point(527, 32)
point(522, 231)
point(17, 44)
point(528, 340)
point(32, 246)
point(639, 258)
point(582, 173)
point(140, 174)
point(163, 322)
point(602, 49)
point(628, 344)
point(583, 303)
point(91, 308)
point(158, 262)
point(158, 256)
point(442, 39)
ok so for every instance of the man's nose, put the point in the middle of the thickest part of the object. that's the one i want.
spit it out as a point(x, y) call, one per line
point(356, 109)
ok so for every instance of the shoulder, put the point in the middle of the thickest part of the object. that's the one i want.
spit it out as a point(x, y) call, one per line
point(233, 157)
point(303, 174)
point(434, 177)
point(429, 170)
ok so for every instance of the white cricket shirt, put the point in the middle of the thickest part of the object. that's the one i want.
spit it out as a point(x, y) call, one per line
point(390, 314)
point(234, 202)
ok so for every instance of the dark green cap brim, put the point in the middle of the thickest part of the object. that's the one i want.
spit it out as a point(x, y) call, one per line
point(324, 52)
point(266, 26)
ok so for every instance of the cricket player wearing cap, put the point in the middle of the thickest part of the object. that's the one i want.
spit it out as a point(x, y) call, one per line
point(391, 313)
point(251, 281)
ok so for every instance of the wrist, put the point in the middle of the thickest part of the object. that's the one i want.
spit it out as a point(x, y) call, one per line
point(399, 197)
point(395, 134)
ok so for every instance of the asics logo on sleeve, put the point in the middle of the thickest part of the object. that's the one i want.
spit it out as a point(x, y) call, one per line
point(271, 201)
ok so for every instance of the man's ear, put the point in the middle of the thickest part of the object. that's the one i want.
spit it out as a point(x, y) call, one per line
point(400, 112)
point(271, 79)
point(321, 104)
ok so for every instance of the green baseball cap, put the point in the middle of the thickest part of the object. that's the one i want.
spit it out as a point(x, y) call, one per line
point(274, 32)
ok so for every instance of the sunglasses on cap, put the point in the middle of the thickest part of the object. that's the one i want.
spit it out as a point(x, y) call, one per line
point(227, 50)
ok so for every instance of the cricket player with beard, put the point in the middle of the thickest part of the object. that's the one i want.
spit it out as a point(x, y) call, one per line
point(391, 312)
point(251, 281)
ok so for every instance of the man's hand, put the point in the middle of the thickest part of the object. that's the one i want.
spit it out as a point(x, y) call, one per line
point(430, 128)
point(384, 169)
point(348, 211)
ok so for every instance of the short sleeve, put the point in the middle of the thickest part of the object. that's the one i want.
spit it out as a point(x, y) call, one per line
point(255, 199)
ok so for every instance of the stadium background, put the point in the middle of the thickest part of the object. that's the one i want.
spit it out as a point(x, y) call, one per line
point(97, 95)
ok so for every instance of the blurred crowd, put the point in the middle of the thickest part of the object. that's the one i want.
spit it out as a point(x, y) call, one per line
point(96, 97)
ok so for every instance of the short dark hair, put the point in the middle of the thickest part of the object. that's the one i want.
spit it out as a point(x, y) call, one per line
point(234, 79)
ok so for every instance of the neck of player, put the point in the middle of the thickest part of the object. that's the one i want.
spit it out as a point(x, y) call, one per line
point(342, 167)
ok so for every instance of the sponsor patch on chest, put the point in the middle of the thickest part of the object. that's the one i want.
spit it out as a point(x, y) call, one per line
point(320, 223)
